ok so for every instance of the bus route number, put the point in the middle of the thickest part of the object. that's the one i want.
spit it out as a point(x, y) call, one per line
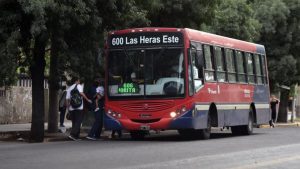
point(117, 41)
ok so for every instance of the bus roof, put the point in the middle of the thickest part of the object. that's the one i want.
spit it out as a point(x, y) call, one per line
point(223, 41)
point(200, 36)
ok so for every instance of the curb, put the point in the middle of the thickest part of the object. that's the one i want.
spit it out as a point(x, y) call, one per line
point(281, 125)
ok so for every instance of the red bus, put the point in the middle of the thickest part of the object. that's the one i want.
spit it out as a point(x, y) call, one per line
point(185, 80)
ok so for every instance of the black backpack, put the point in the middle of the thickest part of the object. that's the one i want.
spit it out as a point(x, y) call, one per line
point(76, 99)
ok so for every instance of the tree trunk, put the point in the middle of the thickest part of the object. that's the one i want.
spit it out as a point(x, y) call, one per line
point(37, 73)
point(283, 106)
point(53, 87)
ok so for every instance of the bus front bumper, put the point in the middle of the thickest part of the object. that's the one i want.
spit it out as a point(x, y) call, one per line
point(182, 122)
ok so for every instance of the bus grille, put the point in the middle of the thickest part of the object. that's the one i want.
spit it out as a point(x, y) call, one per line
point(147, 106)
point(145, 121)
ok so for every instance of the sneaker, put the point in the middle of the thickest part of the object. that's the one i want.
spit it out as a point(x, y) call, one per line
point(72, 138)
point(96, 109)
point(273, 125)
point(91, 138)
point(62, 125)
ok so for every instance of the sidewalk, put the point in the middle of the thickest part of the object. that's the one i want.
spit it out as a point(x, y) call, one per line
point(20, 132)
point(288, 124)
point(6, 128)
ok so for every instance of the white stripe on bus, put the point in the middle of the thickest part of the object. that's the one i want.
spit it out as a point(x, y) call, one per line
point(233, 106)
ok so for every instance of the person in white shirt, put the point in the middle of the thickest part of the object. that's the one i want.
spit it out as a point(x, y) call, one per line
point(76, 112)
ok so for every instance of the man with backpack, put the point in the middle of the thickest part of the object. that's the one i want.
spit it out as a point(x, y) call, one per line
point(75, 97)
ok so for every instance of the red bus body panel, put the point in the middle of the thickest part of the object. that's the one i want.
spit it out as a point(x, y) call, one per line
point(225, 95)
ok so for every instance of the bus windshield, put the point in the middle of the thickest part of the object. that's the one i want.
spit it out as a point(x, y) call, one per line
point(146, 73)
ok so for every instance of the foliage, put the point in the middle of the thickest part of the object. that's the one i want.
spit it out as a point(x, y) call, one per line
point(234, 18)
point(179, 13)
point(9, 36)
point(280, 21)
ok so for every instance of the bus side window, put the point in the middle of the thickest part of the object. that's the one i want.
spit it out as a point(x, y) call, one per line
point(240, 67)
point(250, 70)
point(219, 64)
point(195, 70)
point(209, 71)
point(258, 69)
point(231, 68)
point(263, 63)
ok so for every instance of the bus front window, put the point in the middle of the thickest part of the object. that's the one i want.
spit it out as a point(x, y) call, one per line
point(146, 73)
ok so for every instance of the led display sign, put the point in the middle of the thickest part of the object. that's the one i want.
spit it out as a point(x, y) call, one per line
point(128, 88)
point(146, 38)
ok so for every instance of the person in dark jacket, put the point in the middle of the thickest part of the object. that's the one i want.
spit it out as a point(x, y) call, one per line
point(96, 93)
point(274, 102)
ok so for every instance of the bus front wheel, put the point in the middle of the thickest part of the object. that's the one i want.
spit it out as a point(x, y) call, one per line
point(204, 134)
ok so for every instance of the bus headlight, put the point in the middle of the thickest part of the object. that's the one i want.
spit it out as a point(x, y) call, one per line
point(183, 109)
point(113, 114)
point(178, 112)
point(173, 114)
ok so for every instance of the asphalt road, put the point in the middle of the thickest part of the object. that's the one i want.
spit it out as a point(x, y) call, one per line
point(266, 148)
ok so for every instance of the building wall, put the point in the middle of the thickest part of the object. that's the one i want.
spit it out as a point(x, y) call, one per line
point(16, 103)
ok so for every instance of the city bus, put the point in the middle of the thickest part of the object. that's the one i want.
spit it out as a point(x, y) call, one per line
point(183, 79)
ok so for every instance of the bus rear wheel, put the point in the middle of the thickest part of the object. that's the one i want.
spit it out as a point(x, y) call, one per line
point(244, 129)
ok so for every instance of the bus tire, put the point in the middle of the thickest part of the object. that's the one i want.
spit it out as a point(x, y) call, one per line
point(244, 129)
point(138, 135)
point(248, 129)
point(187, 133)
point(204, 134)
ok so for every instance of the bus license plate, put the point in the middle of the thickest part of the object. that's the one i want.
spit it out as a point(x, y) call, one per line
point(145, 127)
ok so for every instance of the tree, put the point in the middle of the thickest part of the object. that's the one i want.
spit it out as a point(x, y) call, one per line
point(8, 43)
point(280, 34)
point(235, 18)
point(77, 33)
point(179, 13)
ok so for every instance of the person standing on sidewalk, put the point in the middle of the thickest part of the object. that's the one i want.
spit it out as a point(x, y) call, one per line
point(274, 102)
point(97, 93)
point(62, 106)
point(75, 106)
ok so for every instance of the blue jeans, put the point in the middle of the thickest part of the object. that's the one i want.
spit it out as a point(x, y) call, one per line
point(97, 126)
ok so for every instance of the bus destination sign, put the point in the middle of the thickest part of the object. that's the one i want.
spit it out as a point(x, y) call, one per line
point(146, 39)
point(128, 88)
